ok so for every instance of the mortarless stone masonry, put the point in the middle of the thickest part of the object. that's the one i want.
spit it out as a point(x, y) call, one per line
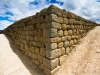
point(49, 36)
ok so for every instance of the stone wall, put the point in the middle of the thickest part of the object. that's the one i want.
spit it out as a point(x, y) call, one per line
point(49, 36)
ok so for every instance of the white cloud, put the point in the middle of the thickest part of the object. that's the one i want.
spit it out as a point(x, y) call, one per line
point(89, 9)
point(4, 24)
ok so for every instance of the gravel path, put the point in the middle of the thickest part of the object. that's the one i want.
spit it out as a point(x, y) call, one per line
point(13, 61)
point(85, 59)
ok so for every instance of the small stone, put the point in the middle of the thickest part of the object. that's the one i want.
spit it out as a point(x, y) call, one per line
point(66, 43)
point(63, 39)
point(60, 44)
point(62, 51)
point(65, 20)
point(75, 41)
point(70, 32)
point(37, 50)
point(40, 58)
point(60, 33)
point(64, 27)
point(34, 56)
point(65, 33)
point(71, 42)
point(68, 38)
point(42, 51)
point(67, 50)
point(37, 62)
point(58, 39)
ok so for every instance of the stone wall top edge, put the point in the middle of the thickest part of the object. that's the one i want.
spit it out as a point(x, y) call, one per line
point(53, 10)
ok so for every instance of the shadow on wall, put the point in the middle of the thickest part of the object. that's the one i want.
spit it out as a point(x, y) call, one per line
point(34, 70)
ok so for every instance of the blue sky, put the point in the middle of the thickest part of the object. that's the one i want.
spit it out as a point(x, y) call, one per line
point(13, 10)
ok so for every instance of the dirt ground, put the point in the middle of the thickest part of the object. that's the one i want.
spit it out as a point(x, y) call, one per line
point(84, 60)
point(13, 61)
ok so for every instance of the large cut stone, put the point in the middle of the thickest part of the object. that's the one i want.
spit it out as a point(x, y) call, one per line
point(51, 64)
point(53, 54)
point(51, 46)
point(62, 59)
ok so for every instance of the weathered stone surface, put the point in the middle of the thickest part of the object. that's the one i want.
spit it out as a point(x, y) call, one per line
point(70, 21)
point(40, 32)
point(63, 59)
point(37, 50)
point(34, 43)
point(51, 17)
point(63, 39)
point(65, 33)
point(66, 43)
point(42, 51)
point(69, 38)
point(52, 32)
point(60, 45)
point(55, 10)
point(43, 26)
point(53, 39)
point(60, 33)
point(54, 72)
point(32, 49)
point(70, 32)
point(71, 42)
point(58, 39)
point(51, 46)
point(63, 26)
point(53, 54)
point(67, 50)
point(34, 56)
point(65, 20)
point(29, 54)
point(60, 19)
point(62, 51)
point(53, 24)
point(51, 64)
point(40, 59)
point(37, 62)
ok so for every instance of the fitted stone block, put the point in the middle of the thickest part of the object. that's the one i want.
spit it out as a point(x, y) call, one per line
point(53, 54)
point(60, 45)
point(63, 59)
point(50, 32)
point(51, 64)
point(51, 46)
point(60, 33)
point(53, 25)
point(66, 43)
